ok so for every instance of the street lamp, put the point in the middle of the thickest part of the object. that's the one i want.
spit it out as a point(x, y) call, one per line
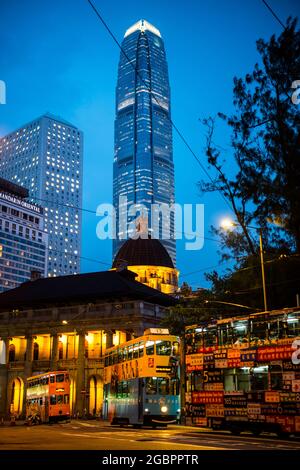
point(227, 224)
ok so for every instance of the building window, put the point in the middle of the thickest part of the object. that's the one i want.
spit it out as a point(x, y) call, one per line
point(11, 353)
point(35, 352)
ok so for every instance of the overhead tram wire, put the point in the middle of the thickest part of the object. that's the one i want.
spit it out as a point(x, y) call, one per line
point(180, 134)
point(94, 260)
point(274, 14)
point(90, 211)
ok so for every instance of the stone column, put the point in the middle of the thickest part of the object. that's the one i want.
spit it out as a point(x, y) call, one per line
point(109, 339)
point(54, 351)
point(6, 345)
point(27, 365)
point(4, 380)
point(80, 375)
point(29, 353)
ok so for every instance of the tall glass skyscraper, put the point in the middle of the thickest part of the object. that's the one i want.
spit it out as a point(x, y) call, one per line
point(45, 156)
point(143, 160)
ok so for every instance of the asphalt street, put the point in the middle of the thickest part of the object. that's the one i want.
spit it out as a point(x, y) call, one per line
point(95, 435)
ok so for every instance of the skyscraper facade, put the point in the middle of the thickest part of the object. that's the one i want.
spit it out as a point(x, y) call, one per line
point(23, 242)
point(45, 156)
point(143, 160)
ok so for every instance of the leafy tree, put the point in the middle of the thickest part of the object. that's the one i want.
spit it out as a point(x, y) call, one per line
point(265, 142)
point(265, 191)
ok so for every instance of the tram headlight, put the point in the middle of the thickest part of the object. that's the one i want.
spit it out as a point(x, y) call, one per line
point(164, 409)
point(146, 410)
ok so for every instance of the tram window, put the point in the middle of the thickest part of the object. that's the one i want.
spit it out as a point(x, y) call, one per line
point(52, 379)
point(259, 329)
point(52, 399)
point(243, 379)
point(60, 399)
point(149, 348)
point(125, 354)
point(293, 324)
point(141, 349)
point(163, 386)
point(60, 378)
point(45, 380)
point(276, 377)
point(175, 350)
point(198, 340)
point(189, 343)
point(230, 380)
point(120, 355)
point(174, 387)
point(225, 334)
point(125, 389)
point(66, 399)
point(259, 378)
point(209, 337)
point(240, 331)
point(197, 381)
point(136, 351)
point(115, 357)
point(130, 350)
point(110, 359)
point(163, 348)
point(151, 385)
point(274, 328)
point(41, 401)
point(119, 390)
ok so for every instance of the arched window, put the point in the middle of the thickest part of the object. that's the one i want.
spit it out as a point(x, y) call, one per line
point(11, 353)
point(35, 352)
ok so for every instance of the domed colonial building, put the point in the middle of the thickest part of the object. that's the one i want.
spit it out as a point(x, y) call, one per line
point(149, 259)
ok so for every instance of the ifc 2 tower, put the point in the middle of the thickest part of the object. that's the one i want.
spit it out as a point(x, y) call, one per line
point(143, 158)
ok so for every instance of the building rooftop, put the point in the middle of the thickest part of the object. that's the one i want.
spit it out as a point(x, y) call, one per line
point(143, 252)
point(142, 25)
point(105, 285)
point(13, 189)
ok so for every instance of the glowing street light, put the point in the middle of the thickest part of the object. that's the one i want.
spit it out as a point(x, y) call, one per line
point(226, 224)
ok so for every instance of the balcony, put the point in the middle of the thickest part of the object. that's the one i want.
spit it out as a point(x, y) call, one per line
point(41, 365)
point(95, 363)
point(66, 364)
point(16, 365)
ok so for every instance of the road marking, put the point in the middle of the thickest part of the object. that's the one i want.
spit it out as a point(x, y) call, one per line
point(87, 425)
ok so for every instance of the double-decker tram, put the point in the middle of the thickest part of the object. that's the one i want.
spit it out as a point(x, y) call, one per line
point(141, 381)
point(48, 397)
point(243, 373)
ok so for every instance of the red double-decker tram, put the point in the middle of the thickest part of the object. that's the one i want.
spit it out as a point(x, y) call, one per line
point(48, 397)
point(243, 373)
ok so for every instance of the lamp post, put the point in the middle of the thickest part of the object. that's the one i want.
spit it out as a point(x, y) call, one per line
point(227, 224)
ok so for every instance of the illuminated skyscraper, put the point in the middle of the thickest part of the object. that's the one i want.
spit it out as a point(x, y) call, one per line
point(143, 161)
point(45, 156)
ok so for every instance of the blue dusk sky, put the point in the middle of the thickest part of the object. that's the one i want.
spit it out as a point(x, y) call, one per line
point(57, 57)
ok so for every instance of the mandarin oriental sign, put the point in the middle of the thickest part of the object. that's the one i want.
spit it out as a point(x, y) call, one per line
point(21, 203)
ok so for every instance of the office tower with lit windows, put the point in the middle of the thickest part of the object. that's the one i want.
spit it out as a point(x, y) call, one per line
point(143, 159)
point(45, 156)
point(23, 241)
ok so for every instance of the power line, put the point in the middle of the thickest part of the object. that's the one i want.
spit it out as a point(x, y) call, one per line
point(78, 256)
point(90, 211)
point(180, 134)
point(279, 258)
point(273, 13)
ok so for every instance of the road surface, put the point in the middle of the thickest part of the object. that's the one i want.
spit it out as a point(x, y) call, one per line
point(95, 435)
